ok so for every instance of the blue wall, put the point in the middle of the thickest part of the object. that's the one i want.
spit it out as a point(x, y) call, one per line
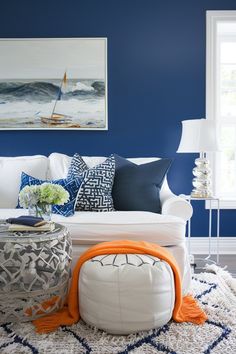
point(156, 78)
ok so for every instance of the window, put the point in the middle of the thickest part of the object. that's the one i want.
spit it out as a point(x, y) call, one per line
point(221, 101)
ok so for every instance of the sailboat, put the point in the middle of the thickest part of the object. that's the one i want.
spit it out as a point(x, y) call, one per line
point(57, 118)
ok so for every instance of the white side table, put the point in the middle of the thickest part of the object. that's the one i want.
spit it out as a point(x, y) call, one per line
point(210, 199)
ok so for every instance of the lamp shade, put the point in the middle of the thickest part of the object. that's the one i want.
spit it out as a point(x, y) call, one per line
point(198, 135)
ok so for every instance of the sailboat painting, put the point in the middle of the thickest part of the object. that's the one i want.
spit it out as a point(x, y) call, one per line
point(53, 83)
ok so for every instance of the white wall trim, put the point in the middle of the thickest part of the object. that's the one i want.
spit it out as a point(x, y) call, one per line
point(213, 17)
point(199, 245)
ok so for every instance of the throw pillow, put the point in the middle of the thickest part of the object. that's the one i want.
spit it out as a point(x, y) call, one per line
point(77, 166)
point(95, 193)
point(137, 187)
point(71, 185)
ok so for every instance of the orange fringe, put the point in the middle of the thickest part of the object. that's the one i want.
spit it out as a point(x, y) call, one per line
point(45, 305)
point(186, 308)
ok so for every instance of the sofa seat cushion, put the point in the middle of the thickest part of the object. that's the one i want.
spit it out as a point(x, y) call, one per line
point(93, 227)
point(10, 175)
point(135, 225)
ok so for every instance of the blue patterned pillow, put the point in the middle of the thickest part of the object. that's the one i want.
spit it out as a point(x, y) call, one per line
point(96, 186)
point(71, 185)
point(77, 166)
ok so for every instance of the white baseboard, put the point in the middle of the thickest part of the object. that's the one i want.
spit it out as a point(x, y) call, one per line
point(199, 245)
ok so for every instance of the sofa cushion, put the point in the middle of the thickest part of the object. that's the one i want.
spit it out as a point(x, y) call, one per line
point(10, 175)
point(71, 185)
point(137, 187)
point(96, 186)
point(90, 227)
point(165, 230)
point(59, 164)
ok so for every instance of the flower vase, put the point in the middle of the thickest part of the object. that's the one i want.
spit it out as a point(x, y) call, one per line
point(41, 211)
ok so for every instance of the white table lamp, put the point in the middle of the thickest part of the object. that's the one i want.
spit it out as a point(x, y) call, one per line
point(199, 136)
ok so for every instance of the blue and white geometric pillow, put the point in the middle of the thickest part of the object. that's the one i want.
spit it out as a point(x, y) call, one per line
point(77, 166)
point(71, 185)
point(95, 193)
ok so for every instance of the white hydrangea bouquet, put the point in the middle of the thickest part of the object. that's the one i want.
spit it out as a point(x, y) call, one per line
point(39, 198)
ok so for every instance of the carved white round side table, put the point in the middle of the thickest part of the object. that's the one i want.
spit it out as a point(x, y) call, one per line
point(34, 268)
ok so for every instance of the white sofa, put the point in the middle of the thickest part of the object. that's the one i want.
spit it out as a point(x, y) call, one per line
point(88, 228)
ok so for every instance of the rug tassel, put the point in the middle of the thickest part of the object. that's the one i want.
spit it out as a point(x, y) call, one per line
point(190, 311)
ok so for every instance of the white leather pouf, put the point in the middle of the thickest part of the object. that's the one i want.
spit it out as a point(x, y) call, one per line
point(126, 293)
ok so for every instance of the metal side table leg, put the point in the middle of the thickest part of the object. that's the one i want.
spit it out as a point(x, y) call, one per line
point(210, 232)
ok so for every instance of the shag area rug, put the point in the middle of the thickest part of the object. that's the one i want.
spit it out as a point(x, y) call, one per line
point(215, 290)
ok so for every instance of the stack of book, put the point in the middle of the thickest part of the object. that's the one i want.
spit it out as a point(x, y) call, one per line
point(29, 223)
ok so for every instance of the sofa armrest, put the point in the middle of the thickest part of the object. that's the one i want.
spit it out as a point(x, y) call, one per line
point(176, 206)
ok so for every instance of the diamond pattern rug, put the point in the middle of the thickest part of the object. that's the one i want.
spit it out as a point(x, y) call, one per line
point(215, 290)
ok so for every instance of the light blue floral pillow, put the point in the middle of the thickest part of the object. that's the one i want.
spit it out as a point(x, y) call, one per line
point(71, 185)
point(95, 193)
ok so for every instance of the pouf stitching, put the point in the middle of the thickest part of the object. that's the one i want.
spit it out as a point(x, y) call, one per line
point(95, 259)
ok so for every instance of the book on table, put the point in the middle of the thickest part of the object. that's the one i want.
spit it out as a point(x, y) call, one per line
point(28, 223)
point(49, 226)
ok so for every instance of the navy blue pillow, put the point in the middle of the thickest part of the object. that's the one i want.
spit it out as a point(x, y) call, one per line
point(137, 187)
point(71, 185)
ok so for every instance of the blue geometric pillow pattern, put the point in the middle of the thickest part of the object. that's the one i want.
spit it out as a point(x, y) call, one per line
point(96, 186)
point(71, 185)
point(77, 166)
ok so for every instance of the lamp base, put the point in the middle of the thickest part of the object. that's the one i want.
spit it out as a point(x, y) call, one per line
point(196, 194)
point(202, 180)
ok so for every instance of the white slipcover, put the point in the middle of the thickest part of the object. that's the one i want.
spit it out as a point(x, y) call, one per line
point(86, 229)
point(10, 175)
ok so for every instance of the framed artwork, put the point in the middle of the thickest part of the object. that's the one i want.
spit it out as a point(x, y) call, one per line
point(53, 83)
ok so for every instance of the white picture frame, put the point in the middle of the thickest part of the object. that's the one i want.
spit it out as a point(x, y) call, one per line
point(53, 83)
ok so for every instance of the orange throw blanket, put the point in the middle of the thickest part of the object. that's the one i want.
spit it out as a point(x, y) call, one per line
point(186, 308)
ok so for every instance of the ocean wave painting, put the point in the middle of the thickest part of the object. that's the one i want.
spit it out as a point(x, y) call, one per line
point(74, 97)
